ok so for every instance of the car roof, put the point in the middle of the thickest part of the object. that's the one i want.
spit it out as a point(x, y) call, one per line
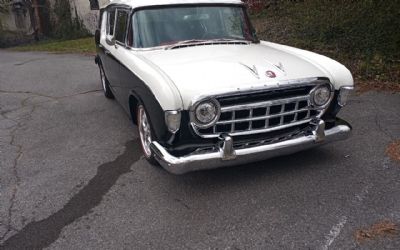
point(143, 3)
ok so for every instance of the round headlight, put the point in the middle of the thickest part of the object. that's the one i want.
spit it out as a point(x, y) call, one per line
point(206, 113)
point(321, 96)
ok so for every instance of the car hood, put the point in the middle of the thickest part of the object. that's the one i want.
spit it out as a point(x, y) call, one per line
point(206, 70)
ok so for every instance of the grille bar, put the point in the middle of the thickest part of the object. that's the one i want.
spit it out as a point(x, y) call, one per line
point(264, 104)
point(280, 115)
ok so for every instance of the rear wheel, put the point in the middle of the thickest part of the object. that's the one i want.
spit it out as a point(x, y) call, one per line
point(105, 84)
point(145, 134)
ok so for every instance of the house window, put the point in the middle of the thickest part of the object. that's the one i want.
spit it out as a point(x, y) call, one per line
point(94, 4)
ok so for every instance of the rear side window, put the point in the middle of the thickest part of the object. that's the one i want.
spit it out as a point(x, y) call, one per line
point(121, 23)
point(110, 22)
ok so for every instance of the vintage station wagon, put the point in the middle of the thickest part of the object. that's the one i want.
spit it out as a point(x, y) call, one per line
point(205, 92)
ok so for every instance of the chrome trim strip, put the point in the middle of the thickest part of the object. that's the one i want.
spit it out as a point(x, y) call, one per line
point(283, 84)
point(258, 131)
point(209, 160)
point(264, 104)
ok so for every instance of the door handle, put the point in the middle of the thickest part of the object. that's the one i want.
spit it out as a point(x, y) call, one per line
point(107, 52)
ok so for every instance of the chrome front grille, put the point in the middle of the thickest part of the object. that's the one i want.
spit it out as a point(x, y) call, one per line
point(262, 116)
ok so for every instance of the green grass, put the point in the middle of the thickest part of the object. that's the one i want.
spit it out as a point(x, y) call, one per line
point(78, 46)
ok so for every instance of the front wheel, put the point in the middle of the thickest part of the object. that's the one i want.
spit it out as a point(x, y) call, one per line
point(145, 134)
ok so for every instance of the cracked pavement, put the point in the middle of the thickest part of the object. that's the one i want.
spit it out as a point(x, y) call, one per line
point(72, 176)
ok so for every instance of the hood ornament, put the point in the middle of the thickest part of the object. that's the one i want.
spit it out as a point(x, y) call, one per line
point(252, 70)
point(280, 66)
point(270, 74)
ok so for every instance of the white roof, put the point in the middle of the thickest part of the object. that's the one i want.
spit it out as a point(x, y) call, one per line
point(144, 3)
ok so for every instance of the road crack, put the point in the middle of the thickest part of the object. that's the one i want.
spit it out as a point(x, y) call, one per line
point(14, 168)
point(19, 148)
point(28, 61)
point(49, 96)
point(41, 234)
point(53, 98)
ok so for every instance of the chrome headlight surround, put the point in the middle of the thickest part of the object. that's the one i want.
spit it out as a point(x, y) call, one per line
point(344, 94)
point(194, 113)
point(317, 91)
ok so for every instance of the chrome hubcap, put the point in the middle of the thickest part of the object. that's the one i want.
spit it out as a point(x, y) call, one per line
point(103, 79)
point(144, 131)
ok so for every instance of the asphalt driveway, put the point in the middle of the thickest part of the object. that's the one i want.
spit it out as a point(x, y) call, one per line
point(72, 176)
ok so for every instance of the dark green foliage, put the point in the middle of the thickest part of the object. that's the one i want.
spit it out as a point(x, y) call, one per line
point(361, 32)
point(362, 26)
point(66, 26)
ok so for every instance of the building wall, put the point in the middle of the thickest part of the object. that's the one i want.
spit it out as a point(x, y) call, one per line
point(89, 17)
point(15, 23)
point(13, 18)
point(18, 20)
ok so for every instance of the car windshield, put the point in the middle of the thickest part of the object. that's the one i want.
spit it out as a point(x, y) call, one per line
point(172, 25)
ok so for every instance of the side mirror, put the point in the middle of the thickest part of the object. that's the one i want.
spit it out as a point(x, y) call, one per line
point(110, 41)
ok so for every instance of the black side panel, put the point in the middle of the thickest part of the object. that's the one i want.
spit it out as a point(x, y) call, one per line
point(131, 85)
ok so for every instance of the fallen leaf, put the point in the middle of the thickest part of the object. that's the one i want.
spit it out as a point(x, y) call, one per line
point(393, 150)
point(381, 229)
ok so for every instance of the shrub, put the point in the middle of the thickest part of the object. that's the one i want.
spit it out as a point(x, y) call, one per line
point(362, 30)
point(66, 26)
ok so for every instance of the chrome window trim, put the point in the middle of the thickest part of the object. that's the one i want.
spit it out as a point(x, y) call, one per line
point(127, 12)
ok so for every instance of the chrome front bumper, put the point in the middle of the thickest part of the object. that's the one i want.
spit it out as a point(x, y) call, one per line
point(227, 156)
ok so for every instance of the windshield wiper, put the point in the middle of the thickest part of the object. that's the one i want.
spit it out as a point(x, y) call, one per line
point(230, 40)
point(199, 41)
point(185, 42)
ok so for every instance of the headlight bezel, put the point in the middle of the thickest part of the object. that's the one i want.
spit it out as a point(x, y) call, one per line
point(312, 102)
point(197, 122)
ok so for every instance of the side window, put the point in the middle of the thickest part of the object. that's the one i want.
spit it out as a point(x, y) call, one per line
point(121, 23)
point(110, 22)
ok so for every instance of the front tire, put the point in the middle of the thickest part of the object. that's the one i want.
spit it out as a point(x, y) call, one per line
point(145, 134)
point(105, 84)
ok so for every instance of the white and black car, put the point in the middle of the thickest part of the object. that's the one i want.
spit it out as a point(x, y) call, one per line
point(206, 93)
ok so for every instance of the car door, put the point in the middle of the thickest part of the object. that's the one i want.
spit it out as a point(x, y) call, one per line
point(120, 52)
point(108, 47)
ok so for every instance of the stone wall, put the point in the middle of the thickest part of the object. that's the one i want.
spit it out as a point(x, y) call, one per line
point(85, 14)
point(15, 22)
point(18, 18)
